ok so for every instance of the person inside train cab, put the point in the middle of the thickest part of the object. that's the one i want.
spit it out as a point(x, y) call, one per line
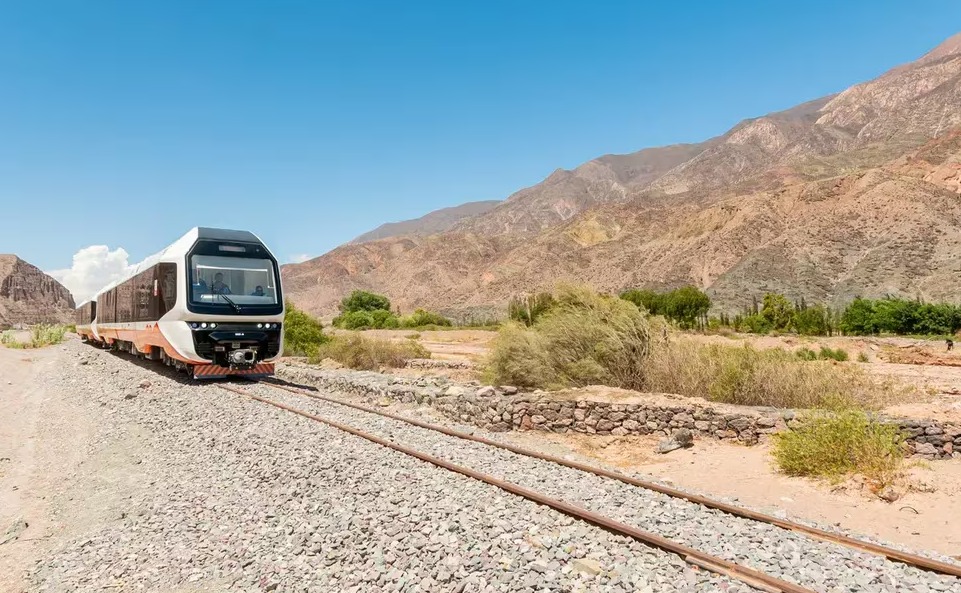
point(259, 291)
point(200, 287)
point(219, 287)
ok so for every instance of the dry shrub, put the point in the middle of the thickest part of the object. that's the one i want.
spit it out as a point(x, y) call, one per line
point(833, 444)
point(745, 376)
point(585, 339)
point(518, 356)
point(358, 352)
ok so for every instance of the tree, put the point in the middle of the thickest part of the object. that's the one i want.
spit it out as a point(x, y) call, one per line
point(686, 305)
point(858, 318)
point(647, 300)
point(778, 311)
point(361, 300)
point(813, 321)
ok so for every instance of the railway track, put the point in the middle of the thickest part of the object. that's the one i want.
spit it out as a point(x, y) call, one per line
point(703, 560)
point(887, 552)
point(756, 579)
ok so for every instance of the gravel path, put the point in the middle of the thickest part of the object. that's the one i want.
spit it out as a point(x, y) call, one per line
point(238, 495)
point(821, 566)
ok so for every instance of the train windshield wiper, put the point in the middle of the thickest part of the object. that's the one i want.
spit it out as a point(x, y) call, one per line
point(232, 304)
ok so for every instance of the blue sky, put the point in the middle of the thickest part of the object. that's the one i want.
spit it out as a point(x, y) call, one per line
point(126, 123)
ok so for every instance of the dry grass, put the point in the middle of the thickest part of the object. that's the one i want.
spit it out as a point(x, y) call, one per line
point(358, 352)
point(746, 376)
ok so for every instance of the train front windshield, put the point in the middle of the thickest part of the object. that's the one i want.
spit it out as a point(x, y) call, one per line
point(217, 279)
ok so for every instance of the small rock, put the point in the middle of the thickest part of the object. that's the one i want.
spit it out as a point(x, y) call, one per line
point(486, 391)
point(130, 395)
point(684, 437)
point(668, 445)
point(587, 566)
point(889, 494)
point(145, 384)
point(508, 389)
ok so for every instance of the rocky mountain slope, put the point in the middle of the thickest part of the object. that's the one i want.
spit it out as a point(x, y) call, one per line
point(29, 296)
point(855, 193)
point(437, 221)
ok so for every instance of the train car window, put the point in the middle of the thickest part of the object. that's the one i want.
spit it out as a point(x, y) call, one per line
point(167, 275)
point(244, 280)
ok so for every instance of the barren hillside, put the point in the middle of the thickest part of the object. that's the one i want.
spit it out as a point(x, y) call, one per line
point(431, 223)
point(856, 193)
point(29, 296)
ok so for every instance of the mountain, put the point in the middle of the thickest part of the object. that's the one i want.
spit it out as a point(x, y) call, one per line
point(29, 296)
point(437, 221)
point(855, 193)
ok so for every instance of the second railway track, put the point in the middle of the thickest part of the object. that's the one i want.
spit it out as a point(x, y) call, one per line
point(763, 551)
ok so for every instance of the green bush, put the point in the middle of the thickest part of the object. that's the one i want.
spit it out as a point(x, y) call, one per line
point(685, 306)
point(900, 316)
point(303, 334)
point(361, 300)
point(829, 354)
point(813, 321)
point(46, 335)
point(585, 339)
point(806, 354)
point(355, 320)
point(358, 352)
point(756, 324)
point(422, 318)
point(9, 339)
point(647, 300)
point(832, 444)
point(862, 357)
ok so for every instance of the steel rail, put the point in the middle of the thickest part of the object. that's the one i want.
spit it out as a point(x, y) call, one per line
point(889, 553)
point(754, 578)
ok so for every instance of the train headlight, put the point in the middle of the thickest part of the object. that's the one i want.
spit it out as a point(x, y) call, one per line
point(267, 325)
point(213, 325)
point(193, 325)
point(203, 325)
point(260, 326)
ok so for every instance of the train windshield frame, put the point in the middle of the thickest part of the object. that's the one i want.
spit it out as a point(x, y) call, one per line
point(233, 279)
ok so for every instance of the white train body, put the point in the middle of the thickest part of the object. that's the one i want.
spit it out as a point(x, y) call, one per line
point(211, 303)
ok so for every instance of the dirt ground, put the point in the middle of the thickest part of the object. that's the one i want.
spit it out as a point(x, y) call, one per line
point(926, 518)
point(458, 345)
point(41, 441)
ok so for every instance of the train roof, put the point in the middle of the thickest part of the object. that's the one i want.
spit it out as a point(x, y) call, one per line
point(178, 249)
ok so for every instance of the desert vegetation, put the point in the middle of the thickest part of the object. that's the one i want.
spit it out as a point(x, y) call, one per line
point(365, 310)
point(833, 443)
point(587, 338)
point(40, 335)
point(304, 336)
point(356, 351)
point(685, 306)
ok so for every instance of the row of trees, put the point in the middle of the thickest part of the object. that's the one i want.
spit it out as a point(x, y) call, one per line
point(688, 307)
point(366, 310)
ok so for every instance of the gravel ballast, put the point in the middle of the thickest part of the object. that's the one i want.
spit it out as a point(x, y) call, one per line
point(818, 565)
point(232, 494)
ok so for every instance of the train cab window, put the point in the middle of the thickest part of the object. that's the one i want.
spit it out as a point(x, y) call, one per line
point(218, 279)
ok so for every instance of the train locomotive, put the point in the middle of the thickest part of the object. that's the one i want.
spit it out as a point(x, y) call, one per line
point(211, 304)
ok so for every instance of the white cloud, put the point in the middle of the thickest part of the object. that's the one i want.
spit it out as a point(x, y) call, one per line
point(300, 258)
point(93, 268)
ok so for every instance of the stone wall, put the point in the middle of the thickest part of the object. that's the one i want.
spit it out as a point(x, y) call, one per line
point(593, 411)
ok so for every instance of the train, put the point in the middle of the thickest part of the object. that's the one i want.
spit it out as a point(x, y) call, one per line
point(211, 304)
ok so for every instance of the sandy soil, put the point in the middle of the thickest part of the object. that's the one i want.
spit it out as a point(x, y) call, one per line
point(922, 519)
point(41, 440)
point(459, 344)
